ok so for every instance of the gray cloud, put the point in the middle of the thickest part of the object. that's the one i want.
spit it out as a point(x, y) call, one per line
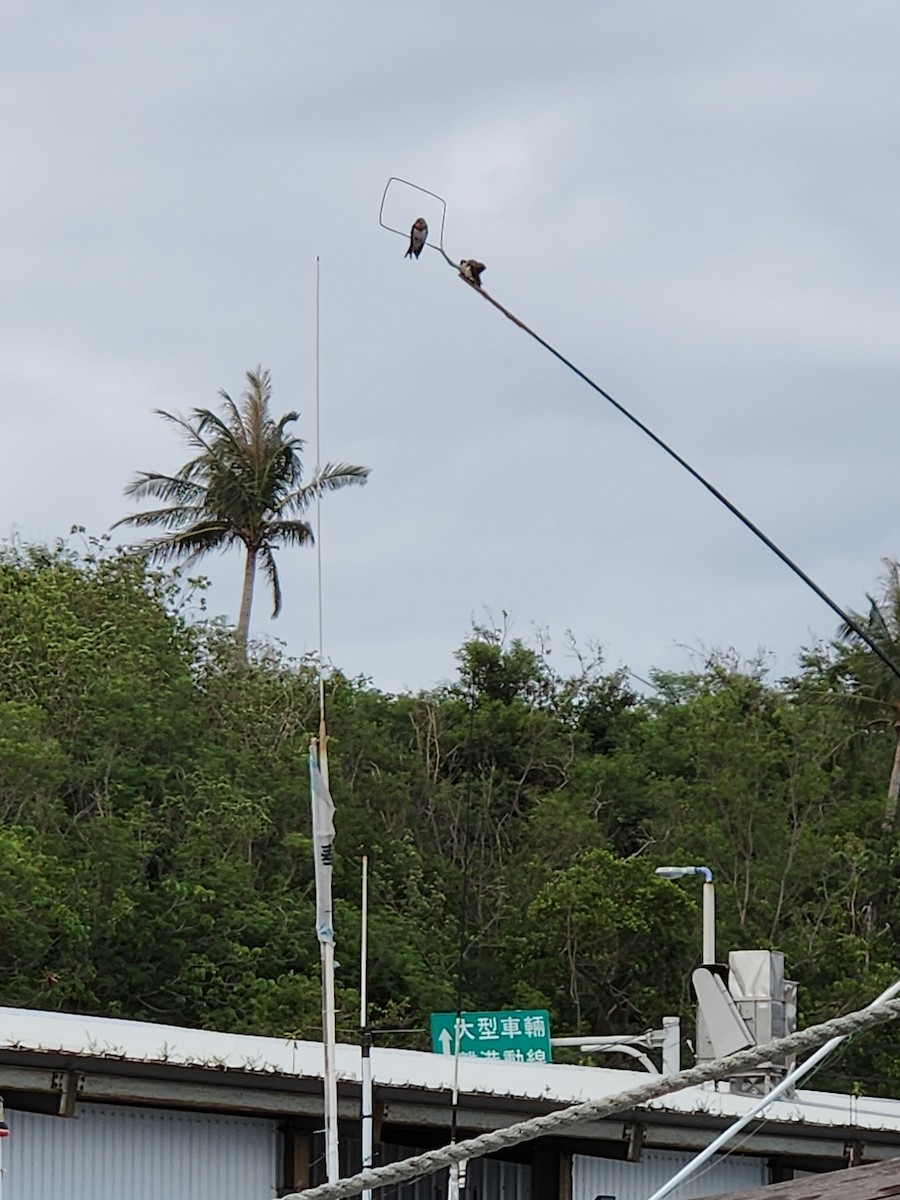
point(695, 202)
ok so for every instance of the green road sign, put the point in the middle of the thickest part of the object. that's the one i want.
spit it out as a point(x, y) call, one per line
point(518, 1036)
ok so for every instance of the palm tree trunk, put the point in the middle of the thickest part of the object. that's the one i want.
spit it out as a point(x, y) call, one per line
point(243, 626)
point(890, 811)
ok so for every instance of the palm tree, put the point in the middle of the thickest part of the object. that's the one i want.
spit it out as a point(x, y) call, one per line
point(873, 686)
point(244, 485)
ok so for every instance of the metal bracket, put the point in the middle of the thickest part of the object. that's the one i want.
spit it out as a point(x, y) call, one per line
point(635, 1132)
point(69, 1085)
point(854, 1152)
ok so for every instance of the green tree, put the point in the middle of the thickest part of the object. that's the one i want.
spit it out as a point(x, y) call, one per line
point(874, 688)
point(607, 945)
point(243, 486)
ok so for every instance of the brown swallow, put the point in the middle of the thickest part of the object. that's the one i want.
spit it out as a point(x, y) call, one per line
point(471, 270)
point(417, 236)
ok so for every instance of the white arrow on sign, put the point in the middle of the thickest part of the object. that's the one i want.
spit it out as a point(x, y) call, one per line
point(445, 1037)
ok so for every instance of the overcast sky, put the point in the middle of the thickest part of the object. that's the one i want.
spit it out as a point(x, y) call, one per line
point(694, 201)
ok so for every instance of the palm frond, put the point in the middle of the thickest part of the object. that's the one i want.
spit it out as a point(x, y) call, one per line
point(170, 518)
point(288, 419)
point(222, 441)
point(190, 543)
point(234, 422)
point(190, 431)
point(290, 533)
point(846, 632)
point(878, 627)
point(171, 488)
point(331, 478)
point(267, 559)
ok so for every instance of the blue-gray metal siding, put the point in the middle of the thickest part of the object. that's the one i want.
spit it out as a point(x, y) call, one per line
point(111, 1152)
point(593, 1177)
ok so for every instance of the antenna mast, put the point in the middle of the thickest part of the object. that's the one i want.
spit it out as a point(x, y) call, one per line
point(326, 944)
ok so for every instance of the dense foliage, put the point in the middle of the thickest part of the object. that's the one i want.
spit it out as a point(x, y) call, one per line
point(155, 845)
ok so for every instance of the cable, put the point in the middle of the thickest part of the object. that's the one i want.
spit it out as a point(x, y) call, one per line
point(845, 617)
point(592, 1110)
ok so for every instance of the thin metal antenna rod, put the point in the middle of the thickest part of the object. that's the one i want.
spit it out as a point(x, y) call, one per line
point(319, 523)
point(850, 622)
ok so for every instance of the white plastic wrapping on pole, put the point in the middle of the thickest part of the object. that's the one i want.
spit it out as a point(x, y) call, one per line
point(789, 1080)
point(323, 850)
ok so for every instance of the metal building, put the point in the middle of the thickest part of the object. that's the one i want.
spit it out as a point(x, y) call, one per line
point(593, 1177)
point(121, 1153)
point(122, 1110)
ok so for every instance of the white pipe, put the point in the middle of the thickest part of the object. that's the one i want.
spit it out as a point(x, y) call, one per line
point(789, 1080)
point(635, 1039)
point(709, 922)
point(624, 1048)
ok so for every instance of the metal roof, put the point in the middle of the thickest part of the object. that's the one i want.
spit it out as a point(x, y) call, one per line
point(144, 1045)
point(856, 1183)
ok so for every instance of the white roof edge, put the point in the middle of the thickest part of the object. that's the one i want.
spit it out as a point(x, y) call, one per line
point(142, 1042)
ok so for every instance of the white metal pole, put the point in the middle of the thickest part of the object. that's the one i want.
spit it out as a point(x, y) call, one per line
point(329, 1038)
point(789, 1080)
point(365, 1038)
point(364, 947)
point(329, 1031)
point(456, 1176)
point(709, 922)
point(366, 1114)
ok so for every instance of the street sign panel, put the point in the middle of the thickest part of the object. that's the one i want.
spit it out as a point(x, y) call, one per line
point(516, 1036)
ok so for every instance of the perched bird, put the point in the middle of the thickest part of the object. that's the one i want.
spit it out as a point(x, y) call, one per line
point(471, 270)
point(417, 236)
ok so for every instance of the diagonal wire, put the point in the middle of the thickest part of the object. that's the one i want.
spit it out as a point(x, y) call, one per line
point(845, 617)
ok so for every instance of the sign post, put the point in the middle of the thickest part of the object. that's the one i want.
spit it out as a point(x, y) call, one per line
point(517, 1036)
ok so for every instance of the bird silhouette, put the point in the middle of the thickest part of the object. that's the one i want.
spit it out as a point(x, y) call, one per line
point(417, 236)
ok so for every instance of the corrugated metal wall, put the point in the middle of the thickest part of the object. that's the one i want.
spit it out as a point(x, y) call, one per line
point(114, 1153)
point(602, 1177)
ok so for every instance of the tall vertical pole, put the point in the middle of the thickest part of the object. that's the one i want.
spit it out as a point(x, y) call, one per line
point(329, 1040)
point(329, 1032)
point(456, 1180)
point(364, 1035)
